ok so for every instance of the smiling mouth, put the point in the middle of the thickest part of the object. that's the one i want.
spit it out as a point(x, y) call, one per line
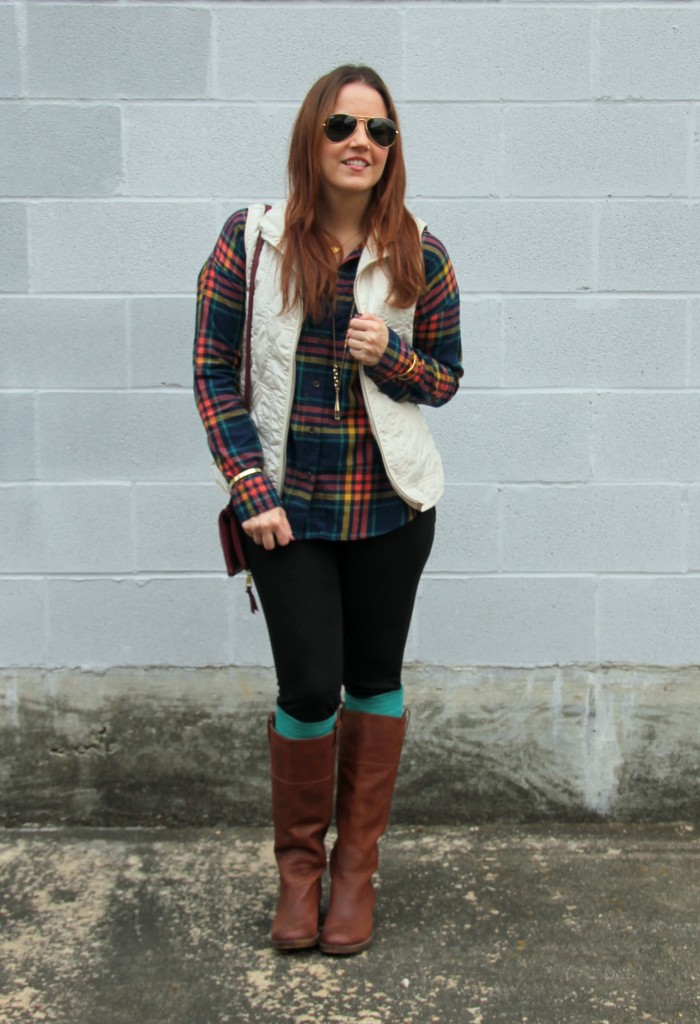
point(355, 163)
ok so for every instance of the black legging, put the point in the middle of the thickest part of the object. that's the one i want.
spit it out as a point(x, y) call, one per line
point(338, 613)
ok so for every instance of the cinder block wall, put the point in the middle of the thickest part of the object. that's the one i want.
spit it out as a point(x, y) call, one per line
point(552, 146)
point(554, 149)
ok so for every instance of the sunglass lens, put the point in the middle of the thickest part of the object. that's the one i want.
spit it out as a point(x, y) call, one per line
point(340, 126)
point(382, 131)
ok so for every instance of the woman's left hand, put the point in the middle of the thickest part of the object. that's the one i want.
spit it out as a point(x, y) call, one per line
point(367, 338)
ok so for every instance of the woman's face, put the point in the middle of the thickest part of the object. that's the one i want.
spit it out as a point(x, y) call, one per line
point(356, 164)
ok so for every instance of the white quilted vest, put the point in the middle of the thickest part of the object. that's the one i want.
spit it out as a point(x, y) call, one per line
point(410, 457)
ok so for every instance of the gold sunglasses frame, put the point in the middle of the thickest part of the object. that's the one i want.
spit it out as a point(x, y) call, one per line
point(373, 117)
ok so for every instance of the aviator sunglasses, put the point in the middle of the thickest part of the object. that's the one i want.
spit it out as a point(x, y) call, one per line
point(339, 127)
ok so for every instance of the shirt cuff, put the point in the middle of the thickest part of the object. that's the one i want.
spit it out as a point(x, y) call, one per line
point(252, 495)
point(397, 359)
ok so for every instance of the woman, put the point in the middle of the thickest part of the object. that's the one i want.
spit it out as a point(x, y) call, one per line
point(332, 474)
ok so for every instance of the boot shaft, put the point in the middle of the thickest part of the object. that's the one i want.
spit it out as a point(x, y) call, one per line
point(303, 780)
point(368, 762)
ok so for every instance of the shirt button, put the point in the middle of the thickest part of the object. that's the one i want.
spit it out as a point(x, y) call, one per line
point(309, 475)
point(312, 430)
point(316, 383)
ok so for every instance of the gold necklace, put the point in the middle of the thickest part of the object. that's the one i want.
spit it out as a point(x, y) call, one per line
point(335, 249)
point(337, 369)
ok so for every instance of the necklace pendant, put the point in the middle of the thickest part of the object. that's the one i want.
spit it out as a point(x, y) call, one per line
point(337, 370)
point(336, 388)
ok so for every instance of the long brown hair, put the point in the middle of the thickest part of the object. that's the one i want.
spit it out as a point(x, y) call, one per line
point(309, 270)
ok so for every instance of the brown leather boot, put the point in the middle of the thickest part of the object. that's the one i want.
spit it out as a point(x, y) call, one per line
point(303, 776)
point(368, 761)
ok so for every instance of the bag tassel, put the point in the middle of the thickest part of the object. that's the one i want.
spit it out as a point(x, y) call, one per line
point(249, 592)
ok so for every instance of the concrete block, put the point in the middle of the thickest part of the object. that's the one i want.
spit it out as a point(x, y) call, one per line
point(486, 53)
point(134, 51)
point(14, 276)
point(649, 621)
point(514, 437)
point(63, 342)
point(651, 436)
point(470, 167)
point(66, 529)
point(466, 534)
point(622, 150)
point(694, 527)
point(411, 652)
point(650, 53)
point(87, 528)
point(98, 623)
point(112, 437)
point(120, 247)
point(250, 643)
point(161, 333)
point(593, 529)
point(60, 150)
point(23, 617)
point(21, 542)
point(695, 171)
point(18, 433)
point(271, 51)
point(649, 247)
point(594, 341)
point(514, 247)
point(695, 342)
point(10, 80)
point(481, 342)
point(506, 620)
point(176, 527)
point(206, 151)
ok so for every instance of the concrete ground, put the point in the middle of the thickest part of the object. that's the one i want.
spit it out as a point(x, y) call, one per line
point(591, 924)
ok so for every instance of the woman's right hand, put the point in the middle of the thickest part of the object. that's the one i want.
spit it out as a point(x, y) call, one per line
point(269, 528)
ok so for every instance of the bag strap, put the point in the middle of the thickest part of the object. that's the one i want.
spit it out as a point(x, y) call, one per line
point(249, 318)
point(247, 390)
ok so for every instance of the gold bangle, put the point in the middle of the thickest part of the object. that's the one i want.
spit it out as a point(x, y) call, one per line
point(409, 372)
point(240, 476)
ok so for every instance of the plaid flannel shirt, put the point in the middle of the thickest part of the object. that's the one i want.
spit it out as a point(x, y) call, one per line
point(335, 485)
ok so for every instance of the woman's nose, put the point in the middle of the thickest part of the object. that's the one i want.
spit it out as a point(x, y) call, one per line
point(360, 136)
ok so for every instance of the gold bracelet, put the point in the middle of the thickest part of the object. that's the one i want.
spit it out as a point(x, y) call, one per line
point(409, 372)
point(240, 476)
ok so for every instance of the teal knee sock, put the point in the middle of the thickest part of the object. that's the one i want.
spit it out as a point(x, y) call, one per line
point(389, 704)
point(293, 729)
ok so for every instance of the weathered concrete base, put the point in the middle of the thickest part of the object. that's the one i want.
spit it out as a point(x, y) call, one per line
point(188, 746)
